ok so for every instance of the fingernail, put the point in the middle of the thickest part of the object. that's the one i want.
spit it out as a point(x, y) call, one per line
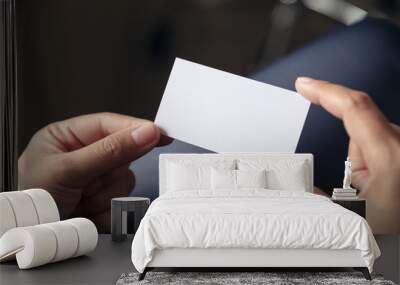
point(304, 80)
point(144, 135)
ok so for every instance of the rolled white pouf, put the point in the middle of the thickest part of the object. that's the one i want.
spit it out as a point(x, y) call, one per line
point(67, 240)
point(23, 208)
point(45, 205)
point(7, 218)
point(37, 245)
point(87, 235)
point(33, 246)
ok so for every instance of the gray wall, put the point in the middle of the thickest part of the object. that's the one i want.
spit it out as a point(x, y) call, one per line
point(79, 57)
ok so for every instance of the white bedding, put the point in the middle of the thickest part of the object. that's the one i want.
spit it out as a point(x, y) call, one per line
point(250, 218)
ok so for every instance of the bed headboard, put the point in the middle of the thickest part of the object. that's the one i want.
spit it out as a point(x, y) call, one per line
point(306, 157)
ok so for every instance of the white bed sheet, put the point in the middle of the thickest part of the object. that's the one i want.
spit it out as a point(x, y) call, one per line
point(250, 218)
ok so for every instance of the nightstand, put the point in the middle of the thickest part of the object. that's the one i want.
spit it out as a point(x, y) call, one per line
point(119, 215)
point(357, 206)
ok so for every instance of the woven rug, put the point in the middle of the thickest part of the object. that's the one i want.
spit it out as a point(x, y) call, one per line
point(229, 278)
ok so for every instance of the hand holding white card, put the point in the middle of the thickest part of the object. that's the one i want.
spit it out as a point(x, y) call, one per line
point(224, 112)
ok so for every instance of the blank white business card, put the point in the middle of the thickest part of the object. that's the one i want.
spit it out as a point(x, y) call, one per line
point(223, 112)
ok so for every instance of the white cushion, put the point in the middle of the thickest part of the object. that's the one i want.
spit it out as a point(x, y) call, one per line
point(282, 174)
point(223, 179)
point(236, 179)
point(183, 177)
point(188, 175)
point(251, 178)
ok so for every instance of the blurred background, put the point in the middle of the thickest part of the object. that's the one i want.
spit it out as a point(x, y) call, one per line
point(79, 57)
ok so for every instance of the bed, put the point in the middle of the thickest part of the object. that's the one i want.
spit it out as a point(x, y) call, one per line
point(242, 210)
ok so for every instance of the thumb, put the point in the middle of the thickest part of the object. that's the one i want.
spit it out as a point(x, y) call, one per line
point(112, 151)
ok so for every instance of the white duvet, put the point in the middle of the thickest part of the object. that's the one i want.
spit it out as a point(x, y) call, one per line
point(250, 219)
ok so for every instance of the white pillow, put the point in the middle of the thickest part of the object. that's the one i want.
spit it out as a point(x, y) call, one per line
point(191, 174)
point(223, 179)
point(189, 177)
point(237, 179)
point(282, 174)
point(251, 178)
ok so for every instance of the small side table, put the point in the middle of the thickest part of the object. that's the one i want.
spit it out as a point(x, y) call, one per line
point(357, 206)
point(119, 215)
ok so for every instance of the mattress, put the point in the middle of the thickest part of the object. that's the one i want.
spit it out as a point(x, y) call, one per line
point(250, 218)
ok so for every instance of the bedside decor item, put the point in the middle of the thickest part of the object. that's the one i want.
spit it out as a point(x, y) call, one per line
point(119, 214)
point(347, 174)
point(344, 194)
point(347, 192)
point(37, 245)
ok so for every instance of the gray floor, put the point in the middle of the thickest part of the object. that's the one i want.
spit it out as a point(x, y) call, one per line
point(106, 264)
point(103, 266)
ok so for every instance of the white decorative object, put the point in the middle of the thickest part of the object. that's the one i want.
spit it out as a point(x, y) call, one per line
point(67, 237)
point(23, 208)
point(30, 246)
point(45, 205)
point(345, 193)
point(7, 219)
point(41, 244)
point(31, 231)
point(26, 208)
point(347, 174)
point(87, 233)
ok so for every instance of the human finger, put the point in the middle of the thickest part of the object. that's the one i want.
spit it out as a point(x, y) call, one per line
point(77, 132)
point(364, 122)
point(111, 152)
